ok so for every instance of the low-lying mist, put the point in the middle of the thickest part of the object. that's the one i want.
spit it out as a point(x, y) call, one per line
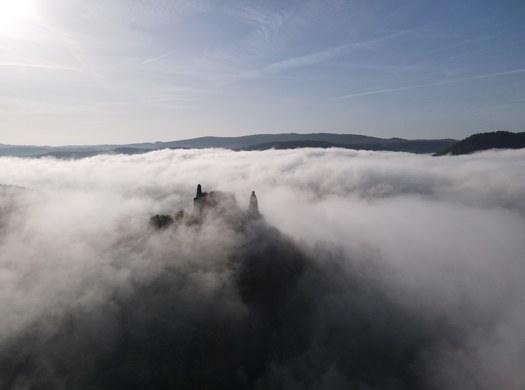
point(369, 270)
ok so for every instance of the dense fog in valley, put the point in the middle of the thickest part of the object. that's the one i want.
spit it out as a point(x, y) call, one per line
point(368, 270)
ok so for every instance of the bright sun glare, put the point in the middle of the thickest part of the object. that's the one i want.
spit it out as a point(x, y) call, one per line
point(13, 12)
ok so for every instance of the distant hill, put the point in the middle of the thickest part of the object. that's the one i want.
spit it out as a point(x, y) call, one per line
point(249, 142)
point(23, 150)
point(76, 154)
point(246, 141)
point(486, 141)
point(393, 145)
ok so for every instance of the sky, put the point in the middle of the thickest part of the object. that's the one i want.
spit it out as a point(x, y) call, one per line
point(114, 71)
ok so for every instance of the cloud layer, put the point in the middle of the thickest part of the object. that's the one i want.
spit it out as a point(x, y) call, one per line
point(388, 270)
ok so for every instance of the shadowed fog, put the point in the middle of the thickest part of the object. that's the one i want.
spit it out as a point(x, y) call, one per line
point(369, 271)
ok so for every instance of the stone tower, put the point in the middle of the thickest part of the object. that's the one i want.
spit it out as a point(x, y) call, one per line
point(199, 200)
point(253, 208)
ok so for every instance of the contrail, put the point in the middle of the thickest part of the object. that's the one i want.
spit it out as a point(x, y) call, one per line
point(415, 86)
point(155, 58)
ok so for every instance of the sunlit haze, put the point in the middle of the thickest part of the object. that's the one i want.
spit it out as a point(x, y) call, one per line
point(13, 12)
point(90, 71)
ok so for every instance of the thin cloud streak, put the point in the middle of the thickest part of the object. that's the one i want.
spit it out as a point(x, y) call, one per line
point(150, 60)
point(309, 59)
point(463, 54)
point(313, 58)
point(416, 86)
point(38, 66)
point(266, 25)
point(330, 54)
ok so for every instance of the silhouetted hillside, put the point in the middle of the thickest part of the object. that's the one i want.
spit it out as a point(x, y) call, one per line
point(392, 145)
point(256, 139)
point(76, 154)
point(249, 142)
point(485, 141)
point(23, 150)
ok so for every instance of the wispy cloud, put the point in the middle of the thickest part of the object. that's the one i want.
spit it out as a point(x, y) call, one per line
point(489, 75)
point(37, 66)
point(306, 60)
point(266, 24)
point(331, 53)
point(153, 59)
point(316, 57)
point(464, 53)
point(416, 86)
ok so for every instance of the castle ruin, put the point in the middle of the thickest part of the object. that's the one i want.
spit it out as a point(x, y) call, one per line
point(218, 201)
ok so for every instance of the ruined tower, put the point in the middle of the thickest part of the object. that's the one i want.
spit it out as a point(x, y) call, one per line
point(217, 200)
point(253, 208)
point(199, 200)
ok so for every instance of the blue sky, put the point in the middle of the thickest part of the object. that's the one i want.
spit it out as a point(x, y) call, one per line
point(118, 71)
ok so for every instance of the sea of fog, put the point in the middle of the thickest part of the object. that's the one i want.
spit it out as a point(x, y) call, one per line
point(369, 270)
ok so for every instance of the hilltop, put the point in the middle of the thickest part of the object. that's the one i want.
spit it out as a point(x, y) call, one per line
point(486, 141)
point(438, 147)
point(249, 142)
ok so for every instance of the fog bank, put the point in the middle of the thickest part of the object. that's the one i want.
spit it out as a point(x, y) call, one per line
point(370, 270)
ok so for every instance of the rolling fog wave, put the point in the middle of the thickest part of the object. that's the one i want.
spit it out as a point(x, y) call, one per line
point(370, 270)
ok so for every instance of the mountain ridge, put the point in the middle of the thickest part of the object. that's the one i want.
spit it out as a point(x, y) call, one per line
point(485, 141)
point(437, 147)
point(247, 142)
